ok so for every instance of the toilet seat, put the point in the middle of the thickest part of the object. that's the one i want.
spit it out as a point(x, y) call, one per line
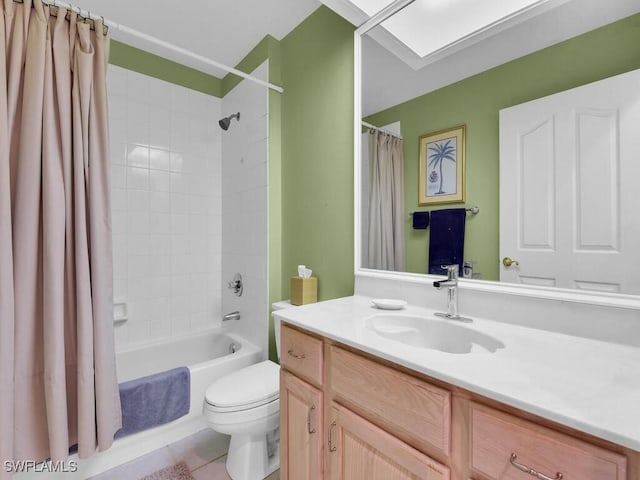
point(244, 389)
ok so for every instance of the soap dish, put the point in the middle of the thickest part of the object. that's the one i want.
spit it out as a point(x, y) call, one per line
point(389, 304)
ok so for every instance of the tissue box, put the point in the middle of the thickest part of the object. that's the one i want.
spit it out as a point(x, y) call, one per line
point(304, 290)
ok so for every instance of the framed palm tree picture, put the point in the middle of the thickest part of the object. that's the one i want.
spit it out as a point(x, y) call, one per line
point(442, 167)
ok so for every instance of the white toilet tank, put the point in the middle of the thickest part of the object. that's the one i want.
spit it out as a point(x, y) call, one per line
point(281, 305)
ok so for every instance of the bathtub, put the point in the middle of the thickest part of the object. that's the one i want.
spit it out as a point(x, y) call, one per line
point(208, 356)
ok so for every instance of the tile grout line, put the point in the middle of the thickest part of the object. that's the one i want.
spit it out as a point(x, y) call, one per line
point(212, 461)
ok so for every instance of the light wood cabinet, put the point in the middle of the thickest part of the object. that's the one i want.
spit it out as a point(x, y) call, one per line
point(301, 429)
point(375, 420)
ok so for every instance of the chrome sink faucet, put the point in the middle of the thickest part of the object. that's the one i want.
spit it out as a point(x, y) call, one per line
point(452, 294)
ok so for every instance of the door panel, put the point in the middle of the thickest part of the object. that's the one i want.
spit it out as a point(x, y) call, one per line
point(568, 167)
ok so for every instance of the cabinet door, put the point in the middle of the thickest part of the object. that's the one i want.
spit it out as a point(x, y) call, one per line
point(301, 433)
point(358, 450)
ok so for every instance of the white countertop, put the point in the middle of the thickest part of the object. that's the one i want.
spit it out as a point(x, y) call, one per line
point(590, 385)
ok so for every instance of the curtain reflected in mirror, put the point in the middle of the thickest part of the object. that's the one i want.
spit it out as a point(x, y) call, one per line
point(385, 226)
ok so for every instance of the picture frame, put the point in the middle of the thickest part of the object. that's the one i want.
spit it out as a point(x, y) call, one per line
point(442, 167)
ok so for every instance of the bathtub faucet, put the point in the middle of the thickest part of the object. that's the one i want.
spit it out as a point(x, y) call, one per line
point(231, 316)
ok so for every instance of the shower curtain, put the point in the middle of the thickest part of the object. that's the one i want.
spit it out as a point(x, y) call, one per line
point(386, 202)
point(58, 385)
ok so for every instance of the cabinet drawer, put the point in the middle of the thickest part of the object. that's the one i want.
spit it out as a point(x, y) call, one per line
point(301, 354)
point(411, 409)
point(496, 436)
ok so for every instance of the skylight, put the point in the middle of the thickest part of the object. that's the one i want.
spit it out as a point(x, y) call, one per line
point(429, 26)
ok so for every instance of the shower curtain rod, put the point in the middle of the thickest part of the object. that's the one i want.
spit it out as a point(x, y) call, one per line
point(143, 36)
point(373, 127)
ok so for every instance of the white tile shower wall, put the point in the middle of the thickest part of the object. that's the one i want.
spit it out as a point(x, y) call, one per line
point(166, 202)
point(245, 207)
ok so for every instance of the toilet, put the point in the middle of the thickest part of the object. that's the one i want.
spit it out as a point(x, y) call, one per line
point(246, 405)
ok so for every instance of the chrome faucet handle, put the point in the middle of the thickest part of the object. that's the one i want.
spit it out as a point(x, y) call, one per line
point(452, 277)
point(236, 285)
point(453, 271)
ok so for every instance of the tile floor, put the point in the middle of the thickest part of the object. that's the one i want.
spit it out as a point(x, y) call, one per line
point(194, 451)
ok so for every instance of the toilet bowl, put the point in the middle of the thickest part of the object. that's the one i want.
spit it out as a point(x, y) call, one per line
point(246, 405)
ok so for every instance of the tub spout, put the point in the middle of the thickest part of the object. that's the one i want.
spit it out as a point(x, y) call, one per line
point(231, 316)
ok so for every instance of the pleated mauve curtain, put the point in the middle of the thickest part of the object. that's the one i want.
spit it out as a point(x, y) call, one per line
point(58, 382)
point(386, 202)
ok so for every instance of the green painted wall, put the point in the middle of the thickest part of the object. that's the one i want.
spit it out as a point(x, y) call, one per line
point(147, 63)
point(604, 52)
point(317, 153)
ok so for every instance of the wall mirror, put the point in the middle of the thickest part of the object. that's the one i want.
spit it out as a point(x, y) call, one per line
point(466, 77)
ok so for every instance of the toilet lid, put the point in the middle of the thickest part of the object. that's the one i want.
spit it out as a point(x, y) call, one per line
point(248, 387)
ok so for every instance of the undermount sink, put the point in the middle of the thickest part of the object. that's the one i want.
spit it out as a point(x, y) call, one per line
point(436, 334)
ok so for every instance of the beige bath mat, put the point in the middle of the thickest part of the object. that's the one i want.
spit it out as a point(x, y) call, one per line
point(179, 471)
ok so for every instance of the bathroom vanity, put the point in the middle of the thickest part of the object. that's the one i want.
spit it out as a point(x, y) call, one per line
point(505, 402)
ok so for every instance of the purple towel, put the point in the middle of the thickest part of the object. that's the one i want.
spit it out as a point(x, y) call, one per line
point(154, 400)
point(446, 239)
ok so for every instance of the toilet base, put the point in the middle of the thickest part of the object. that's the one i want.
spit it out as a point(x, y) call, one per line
point(249, 459)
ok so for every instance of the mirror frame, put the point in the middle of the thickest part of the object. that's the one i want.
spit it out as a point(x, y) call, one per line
point(618, 300)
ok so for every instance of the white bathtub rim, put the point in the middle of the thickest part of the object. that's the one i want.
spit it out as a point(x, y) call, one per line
point(246, 348)
point(217, 330)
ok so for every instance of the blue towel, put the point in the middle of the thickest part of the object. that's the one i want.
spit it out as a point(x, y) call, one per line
point(446, 239)
point(420, 220)
point(154, 400)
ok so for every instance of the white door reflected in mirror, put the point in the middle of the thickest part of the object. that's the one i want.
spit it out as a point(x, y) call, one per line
point(571, 160)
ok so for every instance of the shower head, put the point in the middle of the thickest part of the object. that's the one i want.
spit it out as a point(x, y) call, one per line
point(225, 122)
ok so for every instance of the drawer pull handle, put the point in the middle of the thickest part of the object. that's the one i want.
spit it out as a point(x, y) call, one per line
point(293, 354)
point(531, 471)
point(309, 430)
point(331, 447)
